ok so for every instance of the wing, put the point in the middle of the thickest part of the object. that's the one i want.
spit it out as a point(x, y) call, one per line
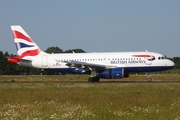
point(88, 66)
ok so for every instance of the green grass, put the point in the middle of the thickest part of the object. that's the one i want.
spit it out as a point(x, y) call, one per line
point(55, 100)
point(84, 78)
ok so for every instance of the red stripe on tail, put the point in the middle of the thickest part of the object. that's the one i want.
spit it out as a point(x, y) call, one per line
point(18, 34)
point(31, 53)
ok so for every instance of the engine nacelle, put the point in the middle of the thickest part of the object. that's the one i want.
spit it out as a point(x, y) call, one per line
point(113, 73)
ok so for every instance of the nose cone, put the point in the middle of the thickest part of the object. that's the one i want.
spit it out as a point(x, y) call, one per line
point(171, 64)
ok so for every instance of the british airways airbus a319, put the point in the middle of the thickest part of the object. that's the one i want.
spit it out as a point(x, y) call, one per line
point(108, 65)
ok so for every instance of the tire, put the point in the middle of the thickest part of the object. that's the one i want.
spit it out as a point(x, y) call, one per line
point(149, 79)
point(96, 79)
point(91, 79)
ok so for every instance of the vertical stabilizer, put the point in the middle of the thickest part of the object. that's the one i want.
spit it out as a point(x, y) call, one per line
point(24, 44)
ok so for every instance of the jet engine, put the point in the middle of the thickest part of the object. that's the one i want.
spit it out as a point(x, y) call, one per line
point(113, 73)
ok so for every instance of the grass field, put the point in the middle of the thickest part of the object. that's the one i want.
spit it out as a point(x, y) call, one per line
point(72, 97)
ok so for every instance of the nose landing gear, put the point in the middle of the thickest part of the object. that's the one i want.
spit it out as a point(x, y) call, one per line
point(149, 79)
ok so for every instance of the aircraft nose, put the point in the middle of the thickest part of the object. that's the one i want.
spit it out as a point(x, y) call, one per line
point(171, 63)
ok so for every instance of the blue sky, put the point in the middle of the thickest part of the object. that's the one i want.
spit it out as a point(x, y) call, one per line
point(95, 25)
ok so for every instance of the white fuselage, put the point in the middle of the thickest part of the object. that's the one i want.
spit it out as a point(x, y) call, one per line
point(132, 61)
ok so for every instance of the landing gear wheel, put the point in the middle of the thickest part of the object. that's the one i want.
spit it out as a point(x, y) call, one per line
point(149, 79)
point(96, 79)
point(93, 79)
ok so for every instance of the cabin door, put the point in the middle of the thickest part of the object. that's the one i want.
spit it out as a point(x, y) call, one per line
point(44, 61)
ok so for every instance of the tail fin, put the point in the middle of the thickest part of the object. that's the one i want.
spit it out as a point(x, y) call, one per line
point(24, 44)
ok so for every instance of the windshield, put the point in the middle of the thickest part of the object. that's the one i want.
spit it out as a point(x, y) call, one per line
point(162, 57)
point(165, 57)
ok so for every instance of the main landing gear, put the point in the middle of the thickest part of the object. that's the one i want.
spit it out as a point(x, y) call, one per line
point(93, 79)
point(149, 79)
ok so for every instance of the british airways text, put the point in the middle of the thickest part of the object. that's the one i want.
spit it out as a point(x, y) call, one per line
point(127, 62)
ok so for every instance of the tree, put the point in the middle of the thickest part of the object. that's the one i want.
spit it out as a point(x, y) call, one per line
point(74, 50)
point(1, 62)
point(54, 50)
point(176, 60)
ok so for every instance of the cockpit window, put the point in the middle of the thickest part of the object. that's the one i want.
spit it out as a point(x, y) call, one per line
point(165, 57)
point(162, 57)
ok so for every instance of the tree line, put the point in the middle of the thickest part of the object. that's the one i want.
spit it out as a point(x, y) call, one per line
point(7, 68)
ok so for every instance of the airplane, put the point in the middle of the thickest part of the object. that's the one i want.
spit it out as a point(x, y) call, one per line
point(107, 65)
